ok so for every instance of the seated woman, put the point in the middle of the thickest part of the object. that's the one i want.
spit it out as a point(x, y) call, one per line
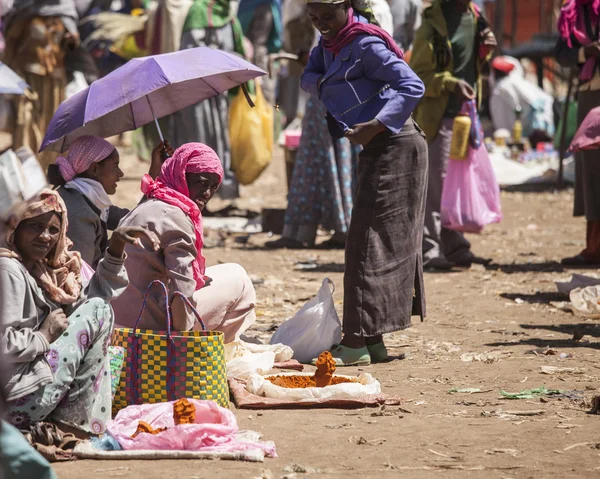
point(54, 329)
point(223, 295)
point(87, 176)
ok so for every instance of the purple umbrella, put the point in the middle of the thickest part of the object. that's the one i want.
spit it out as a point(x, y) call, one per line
point(143, 90)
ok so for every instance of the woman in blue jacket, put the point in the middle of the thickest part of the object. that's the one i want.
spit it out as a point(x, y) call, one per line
point(359, 74)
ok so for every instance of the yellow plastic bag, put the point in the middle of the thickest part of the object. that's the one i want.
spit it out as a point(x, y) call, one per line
point(251, 136)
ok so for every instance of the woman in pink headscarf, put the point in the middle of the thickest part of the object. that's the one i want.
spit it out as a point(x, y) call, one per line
point(86, 178)
point(223, 295)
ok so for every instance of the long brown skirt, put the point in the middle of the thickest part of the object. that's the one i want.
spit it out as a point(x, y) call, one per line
point(383, 281)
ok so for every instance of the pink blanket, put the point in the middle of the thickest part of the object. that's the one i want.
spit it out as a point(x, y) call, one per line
point(215, 429)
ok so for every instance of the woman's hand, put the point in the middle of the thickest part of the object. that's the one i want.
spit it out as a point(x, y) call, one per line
point(488, 38)
point(363, 133)
point(125, 235)
point(464, 91)
point(54, 325)
point(158, 158)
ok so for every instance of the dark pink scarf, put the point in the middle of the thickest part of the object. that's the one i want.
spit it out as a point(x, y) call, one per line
point(353, 29)
point(571, 23)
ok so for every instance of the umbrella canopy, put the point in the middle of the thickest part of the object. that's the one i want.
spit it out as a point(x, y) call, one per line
point(588, 133)
point(10, 82)
point(144, 89)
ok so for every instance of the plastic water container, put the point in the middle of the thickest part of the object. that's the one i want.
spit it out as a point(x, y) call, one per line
point(459, 146)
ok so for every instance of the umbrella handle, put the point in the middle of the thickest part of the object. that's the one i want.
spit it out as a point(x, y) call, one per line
point(163, 153)
point(155, 120)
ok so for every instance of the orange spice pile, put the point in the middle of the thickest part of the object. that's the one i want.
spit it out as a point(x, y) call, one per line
point(143, 426)
point(323, 376)
point(184, 412)
point(325, 369)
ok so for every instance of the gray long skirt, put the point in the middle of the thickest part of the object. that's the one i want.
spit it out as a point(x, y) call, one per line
point(587, 173)
point(383, 282)
point(208, 121)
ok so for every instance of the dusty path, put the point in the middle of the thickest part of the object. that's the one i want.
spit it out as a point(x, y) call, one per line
point(503, 309)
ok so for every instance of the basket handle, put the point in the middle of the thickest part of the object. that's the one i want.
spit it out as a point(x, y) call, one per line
point(189, 303)
point(166, 297)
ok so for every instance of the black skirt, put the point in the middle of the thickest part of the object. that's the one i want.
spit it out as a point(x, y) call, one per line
point(383, 281)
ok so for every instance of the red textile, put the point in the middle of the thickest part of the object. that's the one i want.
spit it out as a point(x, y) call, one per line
point(353, 29)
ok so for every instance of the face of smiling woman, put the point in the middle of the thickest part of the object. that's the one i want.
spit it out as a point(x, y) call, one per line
point(328, 19)
point(36, 237)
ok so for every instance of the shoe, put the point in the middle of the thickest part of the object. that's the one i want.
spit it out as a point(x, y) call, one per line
point(378, 352)
point(331, 244)
point(285, 243)
point(438, 264)
point(578, 261)
point(344, 356)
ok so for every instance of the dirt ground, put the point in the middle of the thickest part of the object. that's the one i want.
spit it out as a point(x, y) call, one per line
point(503, 309)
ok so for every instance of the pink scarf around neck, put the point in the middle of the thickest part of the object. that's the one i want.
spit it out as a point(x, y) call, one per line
point(571, 24)
point(354, 28)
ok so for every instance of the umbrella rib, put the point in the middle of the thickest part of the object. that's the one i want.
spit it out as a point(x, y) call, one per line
point(214, 89)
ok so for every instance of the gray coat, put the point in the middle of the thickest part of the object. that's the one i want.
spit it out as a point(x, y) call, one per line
point(23, 309)
point(86, 230)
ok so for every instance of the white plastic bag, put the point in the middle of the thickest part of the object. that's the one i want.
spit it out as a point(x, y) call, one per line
point(586, 301)
point(366, 385)
point(314, 329)
point(239, 349)
point(244, 359)
point(246, 366)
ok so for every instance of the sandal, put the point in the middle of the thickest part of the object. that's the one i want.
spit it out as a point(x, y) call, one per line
point(378, 352)
point(51, 442)
point(344, 356)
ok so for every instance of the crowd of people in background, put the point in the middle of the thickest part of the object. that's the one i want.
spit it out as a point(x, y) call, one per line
point(376, 87)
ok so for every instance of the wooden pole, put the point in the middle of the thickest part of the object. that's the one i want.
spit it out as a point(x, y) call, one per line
point(542, 16)
point(499, 23)
point(563, 132)
point(515, 16)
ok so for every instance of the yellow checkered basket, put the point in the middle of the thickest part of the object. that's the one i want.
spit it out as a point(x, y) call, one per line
point(168, 365)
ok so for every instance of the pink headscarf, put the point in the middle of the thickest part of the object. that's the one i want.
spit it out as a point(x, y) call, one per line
point(84, 152)
point(171, 187)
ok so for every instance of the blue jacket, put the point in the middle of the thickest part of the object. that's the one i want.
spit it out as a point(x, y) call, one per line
point(364, 81)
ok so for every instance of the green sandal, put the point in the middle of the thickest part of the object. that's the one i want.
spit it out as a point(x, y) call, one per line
point(378, 352)
point(344, 356)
